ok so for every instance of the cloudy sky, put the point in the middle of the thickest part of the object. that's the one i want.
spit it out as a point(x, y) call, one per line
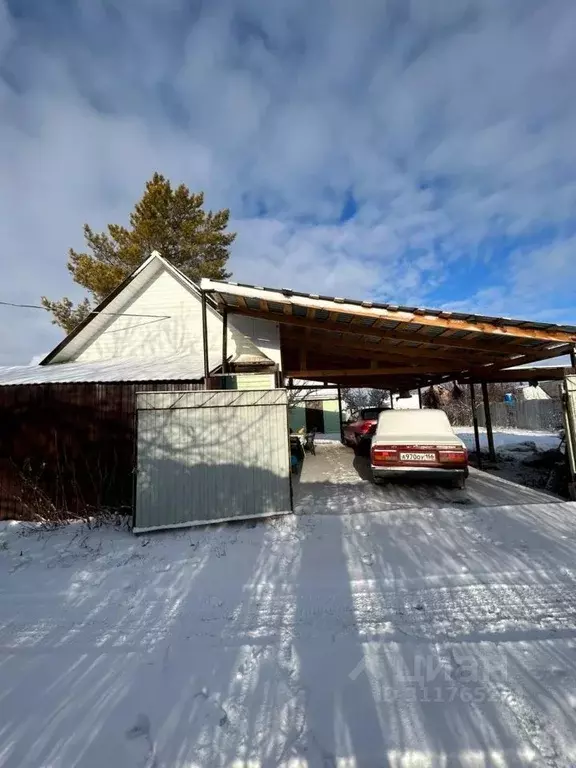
point(402, 150)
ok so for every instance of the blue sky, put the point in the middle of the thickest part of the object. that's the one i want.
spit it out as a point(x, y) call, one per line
point(405, 150)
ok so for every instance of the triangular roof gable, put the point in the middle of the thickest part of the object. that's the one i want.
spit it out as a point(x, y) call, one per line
point(112, 306)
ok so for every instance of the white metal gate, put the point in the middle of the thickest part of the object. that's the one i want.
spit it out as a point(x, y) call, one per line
point(206, 457)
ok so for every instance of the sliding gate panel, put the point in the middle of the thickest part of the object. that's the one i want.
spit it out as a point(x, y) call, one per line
point(569, 403)
point(211, 456)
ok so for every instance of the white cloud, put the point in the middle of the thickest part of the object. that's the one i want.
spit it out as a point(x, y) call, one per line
point(449, 122)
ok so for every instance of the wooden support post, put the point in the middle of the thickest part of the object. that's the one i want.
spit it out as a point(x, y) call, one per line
point(476, 428)
point(340, 413)
point(573, 357)
point(205, 338)
point(420, 397)
point(391, 399)
point(224, 340)
point(488, 417)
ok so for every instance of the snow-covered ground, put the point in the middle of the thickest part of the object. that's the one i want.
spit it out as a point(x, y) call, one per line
point(412, 635)
point(505, 438)
point(521, 455)
point(328, 437)
point(337, 482)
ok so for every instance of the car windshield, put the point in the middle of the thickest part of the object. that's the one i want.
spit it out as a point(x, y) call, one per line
point(370, 413)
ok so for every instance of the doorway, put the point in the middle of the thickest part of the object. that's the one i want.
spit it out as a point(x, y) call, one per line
point(315, 416)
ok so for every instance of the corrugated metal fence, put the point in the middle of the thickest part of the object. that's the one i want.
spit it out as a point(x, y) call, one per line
point(211, 456)
point(537, 415)
point(71, 445)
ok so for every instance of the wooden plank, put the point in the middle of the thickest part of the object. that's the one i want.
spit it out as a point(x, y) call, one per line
point(501, 328)
point(375, 352)
point(497, 367)
point(384, 382)
point(264, 305)
point(546, 354)
point(353, 343)
point(348, 372)
point(387, 333)
point(542, 373)
point(302, 359)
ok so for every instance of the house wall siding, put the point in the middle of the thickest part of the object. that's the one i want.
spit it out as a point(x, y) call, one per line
point(170, 324)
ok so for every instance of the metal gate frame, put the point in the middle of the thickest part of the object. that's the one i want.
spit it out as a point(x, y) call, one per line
point(569, 404)
point(182, 438)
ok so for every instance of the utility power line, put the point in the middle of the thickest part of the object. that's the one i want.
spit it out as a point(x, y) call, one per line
point(92, 312)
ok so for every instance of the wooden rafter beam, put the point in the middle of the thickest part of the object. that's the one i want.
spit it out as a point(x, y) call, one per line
point(385, 382)
point(499, 327)
point(387, 333)
point(502, 330)
point(543, 373)
point(546, 354)
point(373, 352)
point(350, 372)
point(353, 344)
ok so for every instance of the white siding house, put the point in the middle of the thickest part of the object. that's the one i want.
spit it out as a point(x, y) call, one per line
point(157, 314)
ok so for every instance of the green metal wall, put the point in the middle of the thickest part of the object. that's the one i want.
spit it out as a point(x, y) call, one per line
point(297, 417)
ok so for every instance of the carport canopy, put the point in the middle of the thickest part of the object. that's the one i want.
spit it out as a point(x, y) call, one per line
point(366, 344)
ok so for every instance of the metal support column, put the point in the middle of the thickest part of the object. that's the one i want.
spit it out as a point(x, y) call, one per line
point(420, 397)
point(573, 357)
point(488, 417)
point(205, 339)
point(391, 399)
point(224, 340)
point(476, 428)
point(340, 413)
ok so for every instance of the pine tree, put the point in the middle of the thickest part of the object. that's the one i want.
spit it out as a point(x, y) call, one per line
point(171, 221)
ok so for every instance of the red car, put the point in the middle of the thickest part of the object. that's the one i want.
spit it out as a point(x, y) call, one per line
point(358, 433)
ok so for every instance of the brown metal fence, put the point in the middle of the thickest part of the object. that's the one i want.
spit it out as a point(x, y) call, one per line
point(71, 445)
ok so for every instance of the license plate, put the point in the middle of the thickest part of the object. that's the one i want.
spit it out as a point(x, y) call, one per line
point(417, 457)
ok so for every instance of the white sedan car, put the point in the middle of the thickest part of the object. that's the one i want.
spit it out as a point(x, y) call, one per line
point(417, 443)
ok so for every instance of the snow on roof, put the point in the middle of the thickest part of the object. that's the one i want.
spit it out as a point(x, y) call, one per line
point(133, 369)
point(225, 288)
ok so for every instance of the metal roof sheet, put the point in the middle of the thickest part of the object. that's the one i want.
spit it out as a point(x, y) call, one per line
point(134, 369)
point(471, 318)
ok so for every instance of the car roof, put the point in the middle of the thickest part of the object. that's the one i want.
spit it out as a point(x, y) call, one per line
point(424, 421)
